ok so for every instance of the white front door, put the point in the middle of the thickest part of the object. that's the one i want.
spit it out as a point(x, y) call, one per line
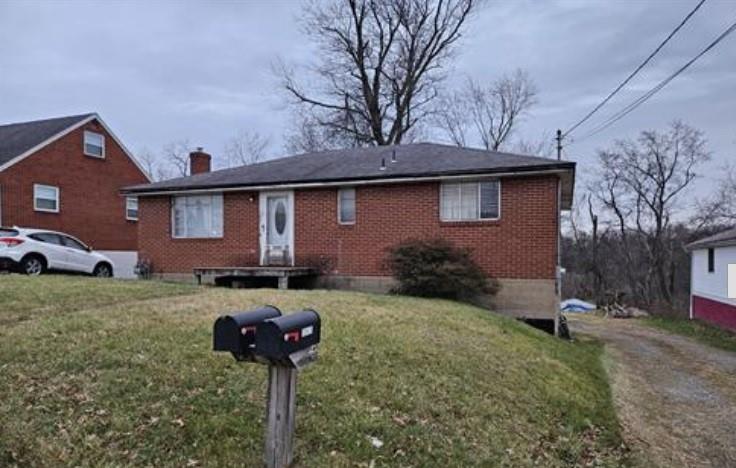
point(277, 228)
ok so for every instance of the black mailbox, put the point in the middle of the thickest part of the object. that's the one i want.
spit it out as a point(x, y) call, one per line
point(237, 333)
point(289, 339)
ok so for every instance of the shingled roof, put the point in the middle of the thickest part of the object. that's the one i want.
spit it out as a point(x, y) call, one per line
point(722, 239)
point(17, 138)
point(378, 164)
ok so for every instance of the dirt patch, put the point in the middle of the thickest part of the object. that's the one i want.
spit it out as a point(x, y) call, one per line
point(676, 398)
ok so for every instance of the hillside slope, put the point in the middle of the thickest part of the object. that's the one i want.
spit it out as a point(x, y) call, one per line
point(438, 383)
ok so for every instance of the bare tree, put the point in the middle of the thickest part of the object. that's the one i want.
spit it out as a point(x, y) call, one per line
point(381, 64)
point(247, 147)
point(148, 160)
point(543, 147)
point(488, 115)
point(176, 155)
point(581, 253)
point(641, 185)
point(720, 207)
point(308, 135)
point(155, 166)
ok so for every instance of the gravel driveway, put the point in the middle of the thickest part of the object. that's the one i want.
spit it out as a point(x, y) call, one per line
point(676, 398)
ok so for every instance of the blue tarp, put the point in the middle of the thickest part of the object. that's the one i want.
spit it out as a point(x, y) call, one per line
point(576, 305)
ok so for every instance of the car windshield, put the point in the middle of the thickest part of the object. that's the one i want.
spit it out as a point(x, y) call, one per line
point(6, 232)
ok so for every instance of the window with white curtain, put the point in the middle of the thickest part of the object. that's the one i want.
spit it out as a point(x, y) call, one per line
point(197, 216)
point(346, 205)
point(468, 201)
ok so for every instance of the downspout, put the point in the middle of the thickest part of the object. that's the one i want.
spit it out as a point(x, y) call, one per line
point(558, 270)
point(692, 272)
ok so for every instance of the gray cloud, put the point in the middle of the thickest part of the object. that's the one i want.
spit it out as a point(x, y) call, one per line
point(161, 71)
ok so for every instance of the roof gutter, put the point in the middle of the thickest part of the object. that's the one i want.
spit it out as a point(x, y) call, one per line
point(347, 182)
point(710, 245)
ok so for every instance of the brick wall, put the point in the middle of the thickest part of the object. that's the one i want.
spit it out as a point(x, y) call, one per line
point(91, 207)
point(237, 247)
point(522, 244)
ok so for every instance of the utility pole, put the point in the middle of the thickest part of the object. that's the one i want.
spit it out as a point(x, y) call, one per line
point(559, 144)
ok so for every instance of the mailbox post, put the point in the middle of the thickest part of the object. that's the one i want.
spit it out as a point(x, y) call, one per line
point(280, 416)
point(287, 344)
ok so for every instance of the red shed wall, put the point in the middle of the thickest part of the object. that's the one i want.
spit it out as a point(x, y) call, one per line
point(717, 313)
point(91, 207)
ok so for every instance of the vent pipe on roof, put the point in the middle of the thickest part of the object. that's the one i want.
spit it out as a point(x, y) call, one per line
point(383, 165)
point(393, 156)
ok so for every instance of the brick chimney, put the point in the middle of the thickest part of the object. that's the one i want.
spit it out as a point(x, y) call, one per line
point(199, 161)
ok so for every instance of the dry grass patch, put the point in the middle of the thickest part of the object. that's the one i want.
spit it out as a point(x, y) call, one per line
point(439, 383)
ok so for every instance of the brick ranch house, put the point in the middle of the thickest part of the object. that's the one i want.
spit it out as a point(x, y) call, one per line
point(713, 265)
point(65, 174)
point(342, 210)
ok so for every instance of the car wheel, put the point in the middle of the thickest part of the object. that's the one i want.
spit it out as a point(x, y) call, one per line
point(33, 265)
point(103, 270)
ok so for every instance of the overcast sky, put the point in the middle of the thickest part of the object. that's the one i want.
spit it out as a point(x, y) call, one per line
point(162, 71)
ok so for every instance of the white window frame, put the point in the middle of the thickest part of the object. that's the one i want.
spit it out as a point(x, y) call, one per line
point(128, 201)
point(186, 236)
point(339, 206)
point(57, 193)
point(477, 218)
point(84, 145)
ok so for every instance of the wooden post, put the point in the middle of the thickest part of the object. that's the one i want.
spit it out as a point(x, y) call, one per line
point(280, 416)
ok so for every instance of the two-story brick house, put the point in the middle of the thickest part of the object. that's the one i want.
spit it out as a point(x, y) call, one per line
point(342, 210)
point(65, 174)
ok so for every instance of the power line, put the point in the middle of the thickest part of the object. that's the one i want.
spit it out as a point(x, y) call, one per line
point(646, 96)
point(637, 70)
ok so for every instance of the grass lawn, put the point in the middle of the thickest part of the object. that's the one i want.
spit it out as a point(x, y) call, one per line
point(24, 298)
point(119, 373)
point(701, 331)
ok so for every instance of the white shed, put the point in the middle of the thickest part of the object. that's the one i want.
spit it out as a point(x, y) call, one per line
point(713, 279)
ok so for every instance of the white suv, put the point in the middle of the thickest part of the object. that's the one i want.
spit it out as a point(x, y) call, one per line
point(34, 251)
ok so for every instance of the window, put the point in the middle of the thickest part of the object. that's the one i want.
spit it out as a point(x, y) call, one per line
point(46, 198)
point(47, 237)
point(346, 206)
point(131, 208)
point(197, 216)
point(73, 243)
point(711, 260)
point(94, 144)
point(468, 201)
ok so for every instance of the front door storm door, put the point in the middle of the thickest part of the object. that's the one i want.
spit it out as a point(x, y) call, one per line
point(277, 228)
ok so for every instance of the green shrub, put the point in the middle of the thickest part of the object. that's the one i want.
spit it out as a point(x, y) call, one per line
point(437, 268)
